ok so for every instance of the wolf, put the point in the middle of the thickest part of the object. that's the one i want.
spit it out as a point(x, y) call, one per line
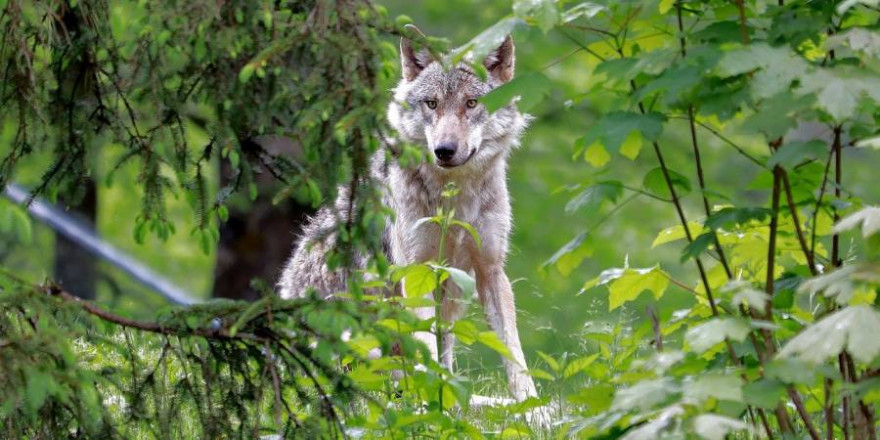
point(440, 110)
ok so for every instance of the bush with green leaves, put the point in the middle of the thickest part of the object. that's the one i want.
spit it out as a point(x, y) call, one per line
point(780, 275)
point(778, 342)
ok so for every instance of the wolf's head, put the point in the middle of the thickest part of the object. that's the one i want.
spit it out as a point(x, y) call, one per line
point(440, 109)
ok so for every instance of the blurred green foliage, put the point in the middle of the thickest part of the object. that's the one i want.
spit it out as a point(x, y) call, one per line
point(684, 298)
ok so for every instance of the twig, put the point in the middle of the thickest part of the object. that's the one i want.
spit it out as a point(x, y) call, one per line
point(797, 224)
point(218, 334)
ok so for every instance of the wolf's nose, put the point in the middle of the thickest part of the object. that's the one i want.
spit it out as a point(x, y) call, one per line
point(445, 151)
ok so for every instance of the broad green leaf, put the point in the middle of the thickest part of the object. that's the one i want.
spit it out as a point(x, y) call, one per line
point(838, 90)
point(544, 12)
point(661, 425)
point(713, 332)
point(527, 89)
point(858, 39)
point(596, 155)
point(645, 395)
point(716, 427)
point(592, 197)
point(836, 284)
point(655, 183)
point(868, 217)
point(632, 282)
point(490, 339)
point(700, 244)
point(612, 130)
point(869, 143)
point(729, 218)
point(570, 256)
point(793, 153)
point(744, 294)
point(632, 145)
point(471, 230)
point(466, 332)
point(763, 393)
point(575, 366)
point(418, 280)
point(484, 43)
point(677, 232)
point(552, 363)
point(583, 9)
point(596, 397)
point(665, 6)
point(845, 5)
point(853, 328)
point(714, 386)
point(462, 279)
point(777, 67)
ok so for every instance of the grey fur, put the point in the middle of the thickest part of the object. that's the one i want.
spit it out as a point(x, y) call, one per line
point(483, 143)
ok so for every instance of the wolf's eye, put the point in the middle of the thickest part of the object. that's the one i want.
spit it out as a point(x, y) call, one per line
point(431, 104)
point(471, 103)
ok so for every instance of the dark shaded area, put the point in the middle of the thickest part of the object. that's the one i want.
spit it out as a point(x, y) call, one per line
point(75, 268)
point(258, 237)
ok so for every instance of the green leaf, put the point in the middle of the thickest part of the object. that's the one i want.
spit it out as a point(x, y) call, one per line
point(868, 217)
point(838, 90)
point(858, 39)
point(700, 244)
point(714, 386)
point(713, 332)
point(544, 12)
point(530, 89)
point(764, 393)
point(37, 390)
point(632, 145)
point(665, 6)
point(777, 68)
point(596, 397)
point(465, 331)
point(716, 427)
point(594, 195)
point(570, 256)
point(552, 363)
point(484, 43)
point(632, 282)
point(246, 73)
point(418, 280)
point(583, 9)
point(596, 155)
point(655, 183)
point(577, 365)
point(645, 395)
point(471, 230)
point(612, 130)
point(729, 218)
point(462, 279)
point(744, 294)
point(676, 232)
point(836, 284)
point(853, 328)
point(794, 153)
point(490, 339)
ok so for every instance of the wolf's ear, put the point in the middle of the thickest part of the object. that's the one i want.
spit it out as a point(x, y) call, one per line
point(413, 59)
point(499, 63)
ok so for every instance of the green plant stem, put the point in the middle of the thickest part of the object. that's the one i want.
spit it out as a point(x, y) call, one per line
point(697, 159)
point(797, 224)
point(821, 195)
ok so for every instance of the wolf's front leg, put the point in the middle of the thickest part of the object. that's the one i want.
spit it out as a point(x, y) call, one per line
point(496, 295)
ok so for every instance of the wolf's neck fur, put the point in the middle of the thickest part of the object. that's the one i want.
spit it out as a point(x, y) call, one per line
point(424, 184)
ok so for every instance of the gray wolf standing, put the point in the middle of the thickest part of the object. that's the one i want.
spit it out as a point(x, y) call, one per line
point(468, 146)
